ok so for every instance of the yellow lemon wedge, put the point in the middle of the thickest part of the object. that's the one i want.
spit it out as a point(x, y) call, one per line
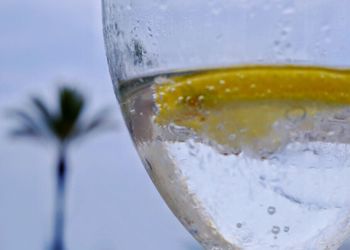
point(241, 105)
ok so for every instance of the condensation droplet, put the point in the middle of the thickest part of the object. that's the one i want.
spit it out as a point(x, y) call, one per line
point(288, 11)
point(271, 210)
point(275, 229)
point(216, 11)
point(163, 7)
point(128, 7)
point(277, 42)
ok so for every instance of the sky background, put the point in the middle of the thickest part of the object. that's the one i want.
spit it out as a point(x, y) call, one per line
point(112, 204)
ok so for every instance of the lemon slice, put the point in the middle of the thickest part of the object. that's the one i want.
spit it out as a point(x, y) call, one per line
point(241, 105)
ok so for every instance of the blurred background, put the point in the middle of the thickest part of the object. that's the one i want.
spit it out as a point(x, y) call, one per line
point(111, 202)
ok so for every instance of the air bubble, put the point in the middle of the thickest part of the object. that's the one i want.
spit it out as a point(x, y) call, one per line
point(220, 127)
point(232, 137)
point(286, 229)
point(160, 80)
point(200, 98)
point(239, 225)
point(296, 114)
point(210, 88)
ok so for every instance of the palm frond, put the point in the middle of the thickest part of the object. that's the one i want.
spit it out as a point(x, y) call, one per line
point(72, 104)
point(27, 121)
point(43, 110)
point(101, 121)
point(26, 132)
point(28, 127)
point(65, 124)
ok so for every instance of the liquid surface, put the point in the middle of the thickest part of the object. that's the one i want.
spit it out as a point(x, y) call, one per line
point(249, 158)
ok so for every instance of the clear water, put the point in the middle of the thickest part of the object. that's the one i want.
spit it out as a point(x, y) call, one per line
point(297, 197)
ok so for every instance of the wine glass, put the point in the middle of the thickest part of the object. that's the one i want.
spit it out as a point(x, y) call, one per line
point(240, 112)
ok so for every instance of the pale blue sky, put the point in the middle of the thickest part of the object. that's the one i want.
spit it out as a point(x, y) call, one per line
point(112, 203)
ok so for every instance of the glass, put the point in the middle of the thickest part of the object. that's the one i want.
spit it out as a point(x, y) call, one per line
point(240, 111)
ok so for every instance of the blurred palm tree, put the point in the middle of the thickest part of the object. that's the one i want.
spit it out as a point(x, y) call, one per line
point(62, 126)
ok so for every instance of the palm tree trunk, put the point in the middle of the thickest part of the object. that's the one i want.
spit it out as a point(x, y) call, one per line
point(58, 230)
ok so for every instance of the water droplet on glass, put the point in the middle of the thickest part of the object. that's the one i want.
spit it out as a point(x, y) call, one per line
point(219, 36)
point(216, 11)
point(288, 11)
point(163, 7)
point(271, 210)
point(128, 7)
point(277, 42)
point(325, 28)
point(275, 229)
